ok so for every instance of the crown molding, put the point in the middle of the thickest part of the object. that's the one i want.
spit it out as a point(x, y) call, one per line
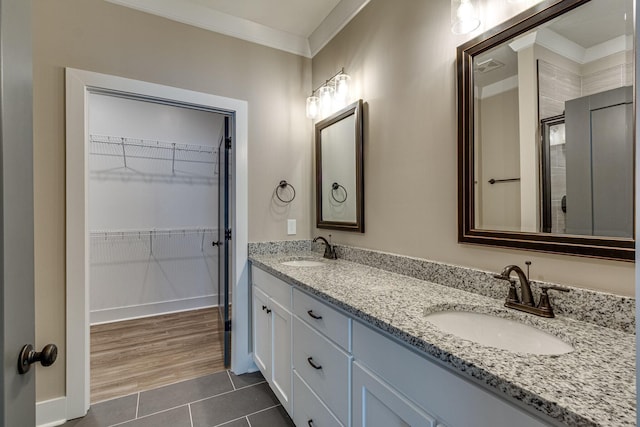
point(570, 50)
point(198, 15)
point(209, 19)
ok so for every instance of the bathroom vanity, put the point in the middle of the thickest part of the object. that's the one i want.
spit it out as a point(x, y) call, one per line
point(345, 344)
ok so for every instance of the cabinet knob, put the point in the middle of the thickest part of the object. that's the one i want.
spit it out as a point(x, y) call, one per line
point(268, 310)
point(310, 422)
point(313, 365)
point(264, 307)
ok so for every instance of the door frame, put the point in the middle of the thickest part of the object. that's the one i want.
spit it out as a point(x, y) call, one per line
point(79, 84)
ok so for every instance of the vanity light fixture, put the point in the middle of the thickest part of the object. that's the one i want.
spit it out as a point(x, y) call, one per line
point(464, 16)
point(332, 95)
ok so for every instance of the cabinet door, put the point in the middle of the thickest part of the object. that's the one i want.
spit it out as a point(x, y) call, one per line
point(375, 404)
point(262, 332)
point(281, 353)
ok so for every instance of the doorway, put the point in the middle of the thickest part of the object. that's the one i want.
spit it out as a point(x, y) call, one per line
point(154, 185)
point(81, 86)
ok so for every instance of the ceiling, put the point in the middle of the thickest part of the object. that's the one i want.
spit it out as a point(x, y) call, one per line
point(302, 27)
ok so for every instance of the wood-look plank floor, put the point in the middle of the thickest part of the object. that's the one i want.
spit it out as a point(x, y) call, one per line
point(136, 355)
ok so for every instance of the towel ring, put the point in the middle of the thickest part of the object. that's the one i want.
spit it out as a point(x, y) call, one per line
point(281, 186)
point(335, 186)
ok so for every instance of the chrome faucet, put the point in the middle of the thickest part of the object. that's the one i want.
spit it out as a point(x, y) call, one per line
point(329, 249)
point(527, 304)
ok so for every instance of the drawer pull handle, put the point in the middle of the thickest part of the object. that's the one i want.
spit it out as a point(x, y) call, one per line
point(310, 422)
point(310, 360)
point(264, 307)
point(312, 314)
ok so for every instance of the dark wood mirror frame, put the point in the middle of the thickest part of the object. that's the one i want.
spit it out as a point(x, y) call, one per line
point(589, 246)
point(355, 110)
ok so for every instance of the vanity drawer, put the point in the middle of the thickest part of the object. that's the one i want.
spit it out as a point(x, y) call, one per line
point(308, 409)
point(324, 367)
point(278, 290)
point(335, 325)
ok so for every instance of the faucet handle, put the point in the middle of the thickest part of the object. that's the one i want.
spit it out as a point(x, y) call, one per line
point(544, 304)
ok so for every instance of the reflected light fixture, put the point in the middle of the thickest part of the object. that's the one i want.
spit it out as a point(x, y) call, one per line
point(332, 95)
point(464, 16)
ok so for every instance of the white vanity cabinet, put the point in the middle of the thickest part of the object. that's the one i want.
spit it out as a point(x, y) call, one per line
point(271, 310)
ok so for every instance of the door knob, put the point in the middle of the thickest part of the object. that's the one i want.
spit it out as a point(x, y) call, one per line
point(28, 355)
point(216, 243)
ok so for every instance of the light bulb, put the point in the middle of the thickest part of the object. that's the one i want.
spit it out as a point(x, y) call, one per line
point(341, 96)
point(313, 105)
point(325, 94)
point(465, 19)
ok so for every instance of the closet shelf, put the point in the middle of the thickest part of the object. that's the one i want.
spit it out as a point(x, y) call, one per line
point(136, 148)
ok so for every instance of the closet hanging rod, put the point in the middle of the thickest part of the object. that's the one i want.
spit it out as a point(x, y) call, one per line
point(151, 143)
point(147, 232)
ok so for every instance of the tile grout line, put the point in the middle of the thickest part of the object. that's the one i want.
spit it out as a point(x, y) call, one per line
point(190, 415)
point(137, 405)
point(149, 415)
point(232, 383)
point(246, 416)
point(203, 399)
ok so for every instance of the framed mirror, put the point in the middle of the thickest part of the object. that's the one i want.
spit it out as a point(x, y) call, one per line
point(546, 131)
point(339, 173)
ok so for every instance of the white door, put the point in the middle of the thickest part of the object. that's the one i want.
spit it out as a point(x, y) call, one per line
point(376, 404)
point(281, 353)
point(17, 408)
point(262, 332)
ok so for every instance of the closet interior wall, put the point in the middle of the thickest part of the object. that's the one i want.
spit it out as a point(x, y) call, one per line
point(153, 208)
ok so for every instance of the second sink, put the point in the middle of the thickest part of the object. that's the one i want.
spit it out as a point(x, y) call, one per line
point(497, 332)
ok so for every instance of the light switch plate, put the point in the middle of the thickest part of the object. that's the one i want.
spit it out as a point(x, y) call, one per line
point(291, 226)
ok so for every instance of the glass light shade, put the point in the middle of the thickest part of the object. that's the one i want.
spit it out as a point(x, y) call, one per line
point(464, 16)
point(341, 96)
point(313, 106)
point(325, 93)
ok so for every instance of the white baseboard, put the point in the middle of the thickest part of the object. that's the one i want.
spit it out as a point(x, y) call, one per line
point(50, 413)
point(151, 309)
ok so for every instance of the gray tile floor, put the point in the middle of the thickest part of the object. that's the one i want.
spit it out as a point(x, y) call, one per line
point(222, 399)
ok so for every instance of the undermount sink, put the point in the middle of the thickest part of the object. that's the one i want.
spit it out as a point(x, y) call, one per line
point(497, 332)
point(303, 263)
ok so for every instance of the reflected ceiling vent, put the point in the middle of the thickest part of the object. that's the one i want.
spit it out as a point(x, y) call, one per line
point(488, 65)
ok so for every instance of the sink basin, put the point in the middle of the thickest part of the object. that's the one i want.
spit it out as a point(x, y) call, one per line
point(303, 263)
point(497, 332)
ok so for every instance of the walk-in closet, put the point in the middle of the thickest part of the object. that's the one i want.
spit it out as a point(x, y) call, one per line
point(154, 178)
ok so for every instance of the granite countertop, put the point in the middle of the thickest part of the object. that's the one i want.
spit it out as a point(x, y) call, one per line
point(591, 386)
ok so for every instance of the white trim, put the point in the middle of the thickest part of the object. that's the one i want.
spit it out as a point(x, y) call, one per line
point(78, 85)
point(119, 314)
point(498, 87)
point(337, 19)
point(50, 413)
point(198, 15)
